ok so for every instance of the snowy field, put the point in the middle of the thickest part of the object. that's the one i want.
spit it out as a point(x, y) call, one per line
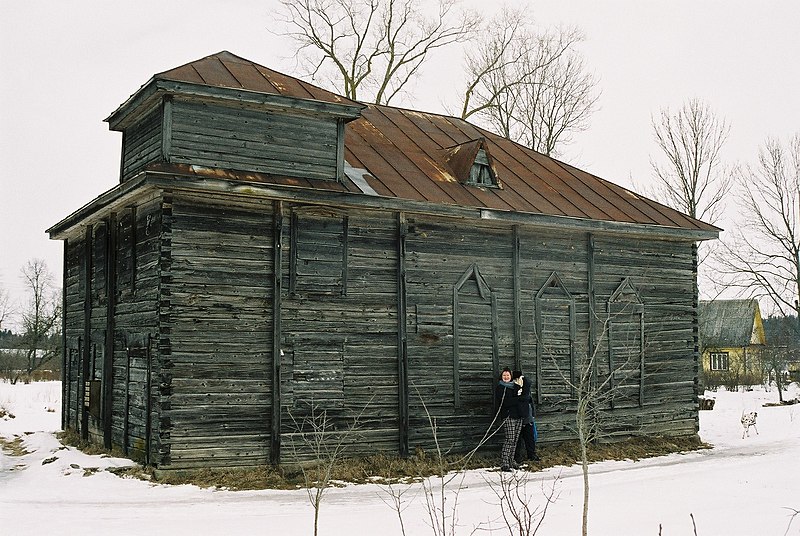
point(745, 486)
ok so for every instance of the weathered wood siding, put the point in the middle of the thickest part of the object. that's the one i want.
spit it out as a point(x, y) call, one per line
point(212, 136)
point(216, 307)
point(339, 329)
point(141, 144)
point(448, 263)
point(134, 250)
point(136, 321)
point(664, 274)
point(74, 288)
point(194, 279)
point(554, 285)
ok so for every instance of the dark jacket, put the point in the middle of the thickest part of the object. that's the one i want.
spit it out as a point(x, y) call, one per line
point(526, 408)
point(508, 401)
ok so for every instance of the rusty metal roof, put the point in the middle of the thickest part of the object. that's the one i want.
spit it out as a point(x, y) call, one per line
point(228, 70)
point(407, 154)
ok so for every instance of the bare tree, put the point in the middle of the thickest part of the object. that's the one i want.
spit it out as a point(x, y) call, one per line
point(763, 258)
point(596, 385)
point(783, 346)
point(443, 490)
point(689, 175)
point(317, 436)
point(5, 305)
point(370, 49)
point(530, 86)
point(521, 515)
point(40, 317)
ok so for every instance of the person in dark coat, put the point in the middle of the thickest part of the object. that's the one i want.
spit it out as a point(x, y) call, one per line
point(507, 396)
point(527, 438)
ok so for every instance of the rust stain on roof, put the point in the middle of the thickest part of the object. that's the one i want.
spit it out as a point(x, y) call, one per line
point(416, 155)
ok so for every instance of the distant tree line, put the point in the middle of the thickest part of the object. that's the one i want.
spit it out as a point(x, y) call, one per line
point(37, 344)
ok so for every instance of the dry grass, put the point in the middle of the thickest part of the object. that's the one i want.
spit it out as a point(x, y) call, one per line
point(389, 469)
point(13, 447)
point(384, 467)
point(5, 414)
point(72, 438)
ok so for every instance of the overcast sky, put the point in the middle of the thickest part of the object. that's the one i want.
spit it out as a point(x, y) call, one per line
point(66, 65)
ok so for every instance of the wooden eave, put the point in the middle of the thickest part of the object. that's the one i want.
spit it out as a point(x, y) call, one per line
point(152, 93)
point(124, 195)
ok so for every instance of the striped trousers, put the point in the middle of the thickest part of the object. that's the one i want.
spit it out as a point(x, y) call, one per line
point(511, 429)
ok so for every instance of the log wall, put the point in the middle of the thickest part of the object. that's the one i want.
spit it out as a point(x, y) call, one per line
point(392, 320)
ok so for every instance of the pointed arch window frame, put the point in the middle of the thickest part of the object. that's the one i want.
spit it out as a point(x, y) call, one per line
point(488, 295)
point(554, 280)
point(628, 285)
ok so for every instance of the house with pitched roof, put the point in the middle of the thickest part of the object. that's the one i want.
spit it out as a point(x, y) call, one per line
point(732, 338)
point(273, 248)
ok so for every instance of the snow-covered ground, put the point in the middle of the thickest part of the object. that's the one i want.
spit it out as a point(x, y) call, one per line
point(745, 486)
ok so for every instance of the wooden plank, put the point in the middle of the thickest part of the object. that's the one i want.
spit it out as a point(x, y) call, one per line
point(277, 276)
point(402, 335)
point(87, 331)
point(111, 293)
point(515, 270)
point(166, 129)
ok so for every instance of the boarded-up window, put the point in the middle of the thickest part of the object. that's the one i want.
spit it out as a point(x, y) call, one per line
point(126, 251)
point(625, 331)
point(83, 257)
point(318, 262)
point(555, 335)
point(474, 341)
point(99, 263)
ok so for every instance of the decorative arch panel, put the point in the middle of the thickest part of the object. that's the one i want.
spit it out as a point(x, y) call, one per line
point(554, 323)
point(475, 347)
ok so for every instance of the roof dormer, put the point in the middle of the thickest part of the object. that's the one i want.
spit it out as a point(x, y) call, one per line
point(472, 164)
point(223, 112)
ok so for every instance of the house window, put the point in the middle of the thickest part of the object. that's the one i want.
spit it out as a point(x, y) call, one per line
point(318, 262)
point(719, 360)
point(481, 173)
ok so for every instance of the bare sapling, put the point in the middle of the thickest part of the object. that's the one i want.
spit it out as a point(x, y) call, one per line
point(317, 437)
point(593, 391)
point(442, 490)
point(521, 514)
point(794, 513)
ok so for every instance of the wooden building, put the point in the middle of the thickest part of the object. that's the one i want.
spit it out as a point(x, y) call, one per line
point(272, 247)
point(732, 338)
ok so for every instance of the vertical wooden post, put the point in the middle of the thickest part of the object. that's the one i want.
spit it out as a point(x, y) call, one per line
point(402, 335)
point(111, 306)
point(127, 401)
point(345, 249)
point(277, 274)
point(537, 326)
point(515, 271)
point(610, 338)
point(340, 150)
point(293, 229)
point(134, 249)
point(87, 332)
point(495, 342)
point(166, 129)
point(696, 332)
point(64, 352)
point(148, 401)
point(78, 390)
point(591, 297)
